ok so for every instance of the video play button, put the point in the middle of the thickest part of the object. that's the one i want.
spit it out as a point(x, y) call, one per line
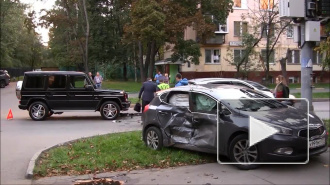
point(259, 131)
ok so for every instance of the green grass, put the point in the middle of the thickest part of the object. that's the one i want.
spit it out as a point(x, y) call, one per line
point(294, 86)
point(133, 100)
point(315, 95)
point(113, 152)
point(128, 86)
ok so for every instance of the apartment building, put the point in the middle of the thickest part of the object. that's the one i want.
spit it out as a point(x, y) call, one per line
point(216, 52)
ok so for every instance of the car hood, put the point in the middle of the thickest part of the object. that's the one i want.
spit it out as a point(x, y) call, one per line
point(288, 117)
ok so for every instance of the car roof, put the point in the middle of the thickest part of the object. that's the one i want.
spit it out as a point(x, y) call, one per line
point(206, 80)
point(205, 87)
point(53, 72)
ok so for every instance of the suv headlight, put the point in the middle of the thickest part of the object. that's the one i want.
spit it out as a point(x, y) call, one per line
point(282, 130)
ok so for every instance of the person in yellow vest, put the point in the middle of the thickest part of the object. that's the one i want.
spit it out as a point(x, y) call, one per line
point(162, 85)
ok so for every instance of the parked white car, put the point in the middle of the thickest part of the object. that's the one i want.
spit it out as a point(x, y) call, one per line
point(233, 81)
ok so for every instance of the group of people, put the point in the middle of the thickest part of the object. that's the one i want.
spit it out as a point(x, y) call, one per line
point(149, 88)
point(97, 79)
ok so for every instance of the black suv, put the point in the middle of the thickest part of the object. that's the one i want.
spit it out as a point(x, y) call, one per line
point(4, 78)
point(54, 92)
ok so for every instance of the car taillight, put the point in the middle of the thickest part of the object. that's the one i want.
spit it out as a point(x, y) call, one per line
point(146, 108)
point(19, 102)
point(126, 97)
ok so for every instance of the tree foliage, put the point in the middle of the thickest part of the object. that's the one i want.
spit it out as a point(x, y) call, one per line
point(324, 49)
point(20, 45)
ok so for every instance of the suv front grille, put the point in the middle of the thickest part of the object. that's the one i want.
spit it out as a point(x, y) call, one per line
point(312, 132)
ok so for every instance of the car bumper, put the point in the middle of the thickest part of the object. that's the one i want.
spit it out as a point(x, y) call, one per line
point(23, 107)
point(299, 145)
point(126, 105)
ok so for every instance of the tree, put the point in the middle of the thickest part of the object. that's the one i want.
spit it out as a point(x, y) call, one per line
point(324, 49)
point(156, 22)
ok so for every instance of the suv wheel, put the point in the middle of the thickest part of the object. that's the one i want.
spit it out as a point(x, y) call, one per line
point(153, 138)
point(110, 110)
point(38, 111)
point(2, 84)
point(242, 154)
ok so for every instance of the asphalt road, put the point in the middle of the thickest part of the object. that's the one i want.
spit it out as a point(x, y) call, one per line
point(22, 137)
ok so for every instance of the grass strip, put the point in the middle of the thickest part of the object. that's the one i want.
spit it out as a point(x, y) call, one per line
point(315, 95)
point(128, 86)
point(113, 152)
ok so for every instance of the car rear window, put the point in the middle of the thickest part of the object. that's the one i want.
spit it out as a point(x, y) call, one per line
point(34, 82)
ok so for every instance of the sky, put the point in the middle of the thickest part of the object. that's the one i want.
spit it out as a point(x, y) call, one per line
point(37, 5)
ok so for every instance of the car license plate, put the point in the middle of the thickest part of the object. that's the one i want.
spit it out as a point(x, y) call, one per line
point(316, 143)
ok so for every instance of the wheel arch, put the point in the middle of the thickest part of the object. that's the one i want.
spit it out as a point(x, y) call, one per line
point(116, 100)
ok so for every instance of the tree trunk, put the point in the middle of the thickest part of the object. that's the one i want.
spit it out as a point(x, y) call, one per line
point(125, 71)
point(134, 58)
point(146, 66)
point(87, 36)
point(141, 62)
point(153, 53)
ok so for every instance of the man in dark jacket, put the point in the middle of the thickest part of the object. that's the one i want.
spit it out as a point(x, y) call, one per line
point(148, 89)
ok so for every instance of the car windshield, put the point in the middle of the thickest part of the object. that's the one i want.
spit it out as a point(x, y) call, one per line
point(248, 100)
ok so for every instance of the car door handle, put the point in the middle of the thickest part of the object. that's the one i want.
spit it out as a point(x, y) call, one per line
point(162, 113)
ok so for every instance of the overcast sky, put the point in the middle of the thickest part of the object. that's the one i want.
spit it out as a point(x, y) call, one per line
point(37, 5)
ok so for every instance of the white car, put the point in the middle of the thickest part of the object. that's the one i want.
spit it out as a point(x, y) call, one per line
point(233, 81)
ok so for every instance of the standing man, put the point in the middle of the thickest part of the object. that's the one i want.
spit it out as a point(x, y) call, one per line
point(180, 81)
point(98, 80)
point(159, 74)
point(166, 79)
point(148, 89)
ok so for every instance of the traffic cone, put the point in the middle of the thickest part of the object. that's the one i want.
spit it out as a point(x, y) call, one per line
point(10, 115)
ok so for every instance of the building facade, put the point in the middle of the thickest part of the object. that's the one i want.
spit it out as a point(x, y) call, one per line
point(226, 46)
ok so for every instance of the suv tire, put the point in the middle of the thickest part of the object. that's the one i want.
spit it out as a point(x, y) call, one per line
point(239, 151)
point(109, 110)
point(38, 111)
point(153, 138)
point(2, 84)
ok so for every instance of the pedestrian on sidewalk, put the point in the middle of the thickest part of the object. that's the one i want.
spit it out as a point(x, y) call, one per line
point(180, 81)
point(281, 90)
point(148, 89)
point(98, 80)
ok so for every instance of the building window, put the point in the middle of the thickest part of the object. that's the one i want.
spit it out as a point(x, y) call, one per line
point(271, 57)
point(212, 56)
point(222, 28)
point(293, 80)
point(267, 30)
point(266, 4)
point(240, 28)
point(238, 55)
point(294, 57)
point(240, 4)
point(289, 31)
point(317, 57)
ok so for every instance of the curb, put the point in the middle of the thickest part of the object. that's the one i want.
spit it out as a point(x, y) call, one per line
point(321, 99)
point(36, 156)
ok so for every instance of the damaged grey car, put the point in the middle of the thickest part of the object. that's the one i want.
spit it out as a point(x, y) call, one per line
point(187, 117)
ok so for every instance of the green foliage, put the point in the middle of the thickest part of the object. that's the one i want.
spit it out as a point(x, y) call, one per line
point(20, 45)
point(186, 50)
point(324, 49)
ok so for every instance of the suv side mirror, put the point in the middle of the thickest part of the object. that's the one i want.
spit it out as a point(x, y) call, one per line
point(89, 87)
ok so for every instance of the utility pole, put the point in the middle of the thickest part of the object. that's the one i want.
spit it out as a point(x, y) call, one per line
point(306, 14)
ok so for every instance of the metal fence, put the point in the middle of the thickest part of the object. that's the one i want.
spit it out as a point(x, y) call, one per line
point(16, 72)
